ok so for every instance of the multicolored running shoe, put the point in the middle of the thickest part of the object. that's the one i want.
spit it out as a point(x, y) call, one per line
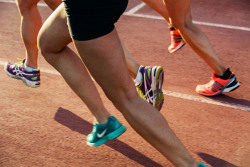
point(217, 86)
point(101, 133)
point(176, 40)
point(18, 71)
point(150, 89)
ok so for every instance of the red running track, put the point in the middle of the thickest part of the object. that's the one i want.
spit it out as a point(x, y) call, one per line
point(42, 127)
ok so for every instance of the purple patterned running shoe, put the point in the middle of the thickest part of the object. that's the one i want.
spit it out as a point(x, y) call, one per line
point(17, 71)
point(150, 89)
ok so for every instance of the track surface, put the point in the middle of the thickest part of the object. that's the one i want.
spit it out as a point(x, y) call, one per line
point(47, 126)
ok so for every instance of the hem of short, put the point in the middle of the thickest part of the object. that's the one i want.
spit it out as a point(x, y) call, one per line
point(84, 38)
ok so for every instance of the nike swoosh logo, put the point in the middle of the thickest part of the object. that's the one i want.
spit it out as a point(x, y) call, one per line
point(100, 135)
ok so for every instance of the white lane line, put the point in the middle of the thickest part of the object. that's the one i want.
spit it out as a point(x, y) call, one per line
point(205, 100)
point(135, 9)
point(144, 16)
point(195, 22)
point(222, 26)
point(199, 99)
point(132, 13)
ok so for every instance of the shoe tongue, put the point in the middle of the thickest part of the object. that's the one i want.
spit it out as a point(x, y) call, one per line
point(139, 76)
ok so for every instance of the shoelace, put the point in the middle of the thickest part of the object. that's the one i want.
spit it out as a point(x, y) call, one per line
point(17, 68)
point(18, 64)
point(147, 95)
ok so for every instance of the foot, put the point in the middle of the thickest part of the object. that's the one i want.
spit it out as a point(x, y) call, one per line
point(202, 165)
point(176, 40)
point(18, 71)
point(217, 86)
point(150, 89)
point(101, 133)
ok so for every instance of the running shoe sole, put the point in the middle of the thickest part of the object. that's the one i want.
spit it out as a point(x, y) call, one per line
point(182, 43)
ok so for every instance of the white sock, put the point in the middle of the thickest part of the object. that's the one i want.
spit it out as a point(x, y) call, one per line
point(138, 78)
point(29, 69)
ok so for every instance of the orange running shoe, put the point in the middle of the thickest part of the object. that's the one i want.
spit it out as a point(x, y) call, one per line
point(176, 40)
point(218, 86)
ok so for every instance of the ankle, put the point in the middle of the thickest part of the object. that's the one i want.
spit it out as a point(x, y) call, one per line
point(30, 64)
point(225, 75)
point(30, 68)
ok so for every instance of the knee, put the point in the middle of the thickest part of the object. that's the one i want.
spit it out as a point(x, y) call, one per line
point(42, 44)
point(44, 47)
point(122, 98)
point(182, 25)
point(48, 48)
point(25, 6)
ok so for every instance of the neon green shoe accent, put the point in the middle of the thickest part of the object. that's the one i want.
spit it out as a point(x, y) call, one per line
point(18, 64)
point(141, 93)
point(34, 78)
point(149, 72)
point(159, 101)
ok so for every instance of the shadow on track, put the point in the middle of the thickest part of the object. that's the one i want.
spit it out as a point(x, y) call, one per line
point(214, 161)
point(75, 123)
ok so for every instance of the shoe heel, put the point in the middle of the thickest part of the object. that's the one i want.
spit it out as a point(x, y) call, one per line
point(233, 85)
point(31, 84)
point(232, 88)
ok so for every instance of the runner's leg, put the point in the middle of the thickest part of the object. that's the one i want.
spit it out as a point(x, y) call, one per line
point(69, 64)
point(181, 19)
point(104, 57)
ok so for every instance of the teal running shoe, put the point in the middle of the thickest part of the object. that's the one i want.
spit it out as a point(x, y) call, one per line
point(202, 165)
point(104, 132)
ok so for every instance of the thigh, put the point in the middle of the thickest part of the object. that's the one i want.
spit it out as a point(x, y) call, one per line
point(54, 34)
point(25, 5)
point(104, 57)
point(103, 53)
point(53, 4)
point(179, 11)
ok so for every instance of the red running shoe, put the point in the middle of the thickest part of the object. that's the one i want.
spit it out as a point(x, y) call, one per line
point(218, 86)
point(176, 40)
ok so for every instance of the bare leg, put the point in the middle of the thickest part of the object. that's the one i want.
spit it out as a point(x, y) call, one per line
point(107, 65)
point(132, 64)
point(181, 19)
point(53, 4)
point(159, 7)
point(71, 67)
point(30, 25)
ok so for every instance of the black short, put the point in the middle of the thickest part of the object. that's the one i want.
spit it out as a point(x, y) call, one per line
point(89, 19)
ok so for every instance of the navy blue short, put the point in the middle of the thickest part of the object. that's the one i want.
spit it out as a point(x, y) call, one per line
point(90, 19)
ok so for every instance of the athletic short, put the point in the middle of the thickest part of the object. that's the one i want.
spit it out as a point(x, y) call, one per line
point(90, 19)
